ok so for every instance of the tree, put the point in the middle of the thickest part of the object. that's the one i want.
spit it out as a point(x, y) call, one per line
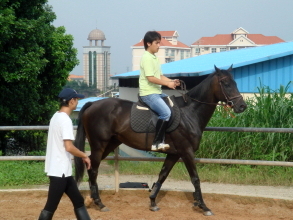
point(35, 61)
point(83, 88)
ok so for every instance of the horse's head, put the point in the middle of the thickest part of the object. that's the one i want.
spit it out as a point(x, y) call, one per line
point(226, 90)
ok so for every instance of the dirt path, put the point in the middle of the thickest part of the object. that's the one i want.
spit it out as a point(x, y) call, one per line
point(108, 182)
point(227, 201)
point(133, 205)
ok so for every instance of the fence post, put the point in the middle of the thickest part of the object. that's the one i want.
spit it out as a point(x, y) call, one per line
point(116, 170)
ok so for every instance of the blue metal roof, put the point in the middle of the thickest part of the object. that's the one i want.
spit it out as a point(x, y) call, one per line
point(204, 64)
point(82, 102)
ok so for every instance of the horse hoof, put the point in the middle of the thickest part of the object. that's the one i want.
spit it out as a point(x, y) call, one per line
point(154, 209)
point(208, 213)
point(105, 209)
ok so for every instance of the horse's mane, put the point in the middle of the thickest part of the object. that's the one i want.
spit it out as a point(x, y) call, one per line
point(200, 89)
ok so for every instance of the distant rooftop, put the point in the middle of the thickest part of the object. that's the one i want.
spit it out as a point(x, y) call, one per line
point(204, 64)
point(96, 34)
point(165, 42)
point(76, 77)
point(82, 102)
point(226, 39)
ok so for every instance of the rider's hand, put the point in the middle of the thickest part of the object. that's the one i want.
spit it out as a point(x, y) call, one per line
point(177, 82)
point(171, 84)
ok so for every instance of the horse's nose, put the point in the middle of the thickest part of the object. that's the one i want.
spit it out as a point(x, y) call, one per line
point(242, 107)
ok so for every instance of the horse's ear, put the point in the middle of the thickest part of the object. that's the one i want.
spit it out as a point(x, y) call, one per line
point(230, 68)
point(217, 69)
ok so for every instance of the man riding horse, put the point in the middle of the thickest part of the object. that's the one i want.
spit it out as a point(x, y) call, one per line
point(150, 81)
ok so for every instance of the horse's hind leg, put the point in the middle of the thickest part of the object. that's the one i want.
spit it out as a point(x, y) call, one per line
point(96, 157)
point(167, 167)
point(97, 150)
point(197, 195)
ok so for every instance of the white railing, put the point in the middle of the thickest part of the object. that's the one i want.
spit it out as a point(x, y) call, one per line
point(118, 158)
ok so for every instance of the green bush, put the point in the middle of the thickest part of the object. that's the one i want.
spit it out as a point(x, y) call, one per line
point(268, 109)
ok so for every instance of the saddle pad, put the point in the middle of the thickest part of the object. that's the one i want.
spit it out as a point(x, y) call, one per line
point(141, 119)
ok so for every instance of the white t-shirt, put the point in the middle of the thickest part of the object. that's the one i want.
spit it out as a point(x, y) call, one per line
point(58, 160)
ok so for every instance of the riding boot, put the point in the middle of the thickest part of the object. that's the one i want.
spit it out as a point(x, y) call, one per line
point(46, 215)
point(158, 143)
point(81, 213)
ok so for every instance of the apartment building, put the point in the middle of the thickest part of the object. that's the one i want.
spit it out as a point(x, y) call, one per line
point(171, 49)
point(239, 38)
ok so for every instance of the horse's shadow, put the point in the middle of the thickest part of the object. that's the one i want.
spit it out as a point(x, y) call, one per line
point(185, 196)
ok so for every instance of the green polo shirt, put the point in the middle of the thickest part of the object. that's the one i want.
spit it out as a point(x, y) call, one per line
point(149, 66)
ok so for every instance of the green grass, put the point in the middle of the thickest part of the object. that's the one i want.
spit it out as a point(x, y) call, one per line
point(22, 173)
point(216, 173)
point(87, 146)
point(16, 174)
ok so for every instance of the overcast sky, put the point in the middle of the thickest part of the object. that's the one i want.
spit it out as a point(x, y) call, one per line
point(124, 22)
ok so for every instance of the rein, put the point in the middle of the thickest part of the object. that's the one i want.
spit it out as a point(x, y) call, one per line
point(229, 102)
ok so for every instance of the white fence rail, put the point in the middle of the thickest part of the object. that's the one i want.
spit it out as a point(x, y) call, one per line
point(160, 159)
point(117, 158)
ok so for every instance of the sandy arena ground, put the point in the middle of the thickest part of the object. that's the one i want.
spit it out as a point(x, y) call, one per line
point(227, 201)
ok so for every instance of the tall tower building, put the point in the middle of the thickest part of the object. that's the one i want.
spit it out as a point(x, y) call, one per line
point(96, 60)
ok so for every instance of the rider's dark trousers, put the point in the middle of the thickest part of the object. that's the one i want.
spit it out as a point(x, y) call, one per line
point(60, 185)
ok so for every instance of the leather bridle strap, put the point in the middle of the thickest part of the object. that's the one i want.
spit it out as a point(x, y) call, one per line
point(229, 102)
point(229, 99)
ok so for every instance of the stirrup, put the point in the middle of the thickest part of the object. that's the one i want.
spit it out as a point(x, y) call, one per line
point(161, 146)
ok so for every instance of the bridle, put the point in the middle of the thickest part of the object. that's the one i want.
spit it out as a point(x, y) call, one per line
point(229, 100)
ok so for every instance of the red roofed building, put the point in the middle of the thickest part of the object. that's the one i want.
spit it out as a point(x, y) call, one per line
point(240, 38)
point(170, 50)
point(76, 77)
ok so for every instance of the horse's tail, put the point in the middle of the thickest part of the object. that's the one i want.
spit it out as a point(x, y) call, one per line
point(80, 143)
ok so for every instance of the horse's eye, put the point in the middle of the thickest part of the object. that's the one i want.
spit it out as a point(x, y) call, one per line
point(226, 84)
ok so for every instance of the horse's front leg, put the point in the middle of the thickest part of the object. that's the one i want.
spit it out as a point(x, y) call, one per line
point(197, 195)
point(167, 167)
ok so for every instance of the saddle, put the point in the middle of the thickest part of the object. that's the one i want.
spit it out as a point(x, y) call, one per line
point(144, 120)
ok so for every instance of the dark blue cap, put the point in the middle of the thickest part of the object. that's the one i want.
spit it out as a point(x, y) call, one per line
point(68, 94)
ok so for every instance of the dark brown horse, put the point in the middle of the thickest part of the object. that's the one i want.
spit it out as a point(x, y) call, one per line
point(106, 124)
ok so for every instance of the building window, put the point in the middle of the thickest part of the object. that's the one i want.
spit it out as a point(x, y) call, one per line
point(172, 53)
point(90, 68)
point(187, 54)
point(206, 48)
point(94, 68)
point(233, 48)
point(214, 50)
point(166, 52)
point(182, 54)
point(223, 49)
point(168, 60)
point(197, 50)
